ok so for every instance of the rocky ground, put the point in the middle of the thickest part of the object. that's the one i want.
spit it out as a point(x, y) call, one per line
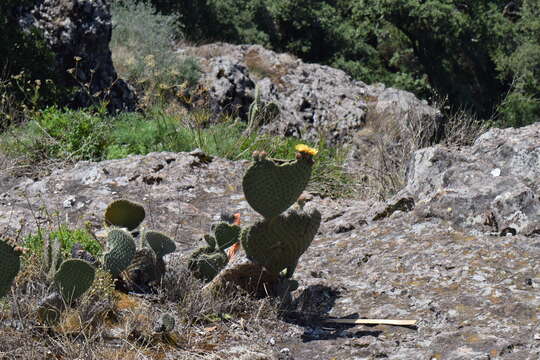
point(457, 249)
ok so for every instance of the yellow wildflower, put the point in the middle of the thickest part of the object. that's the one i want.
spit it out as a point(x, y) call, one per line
point(304, 149)
point(150, 61)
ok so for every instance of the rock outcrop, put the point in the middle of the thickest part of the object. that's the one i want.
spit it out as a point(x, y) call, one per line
point(490, 186)
point(475, 294)
point(316, 101)
point(79, 32)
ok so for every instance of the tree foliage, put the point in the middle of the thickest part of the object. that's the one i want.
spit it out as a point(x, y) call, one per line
point(483, 54)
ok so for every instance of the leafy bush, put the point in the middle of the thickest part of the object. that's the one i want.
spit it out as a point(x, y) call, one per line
point(142, 52)
point(472, 53)
point(61, 134)
point(68, 237)
point(520, 66)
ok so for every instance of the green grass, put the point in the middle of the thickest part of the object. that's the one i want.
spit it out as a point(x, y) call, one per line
point(55, 133)
point(67, 237)
point(92, 135)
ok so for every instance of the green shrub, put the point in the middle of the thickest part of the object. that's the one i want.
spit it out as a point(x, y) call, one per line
point(519, 64)
point(518, 109)
point(157, 131)
point(142, 51)
point(68, 237)
point(135, 133)
point(60, 134)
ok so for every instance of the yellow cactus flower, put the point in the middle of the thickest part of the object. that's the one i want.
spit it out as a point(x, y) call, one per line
point(304, 149)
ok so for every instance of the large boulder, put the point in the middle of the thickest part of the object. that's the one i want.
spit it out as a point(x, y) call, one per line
point(493, 185)
point(315, 101)
point(79, 32)
point(231, 90)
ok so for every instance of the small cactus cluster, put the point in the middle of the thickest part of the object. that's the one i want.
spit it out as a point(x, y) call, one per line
point(206, 262)
point(278, 240)
point(73, 277)
point(141, 262)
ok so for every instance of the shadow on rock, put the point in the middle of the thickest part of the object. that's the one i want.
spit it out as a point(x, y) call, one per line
point(311, 308)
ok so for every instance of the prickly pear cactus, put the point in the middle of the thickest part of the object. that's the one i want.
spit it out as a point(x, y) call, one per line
point(166, 323)
point(52, 256)
point(10, 263)
point(206, 263)
point(125, 214)
point(226, 235)
point(270, 189)
point(74, 277)
point(121, 251)
point(144, 269)
point(160, 243)
point(211, 241)
point(50, 308)
point(278, 243)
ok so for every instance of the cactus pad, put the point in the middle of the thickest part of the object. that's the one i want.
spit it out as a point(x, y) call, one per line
point(271, 189)
point(10, 264)
point(122, 250)
point(50, 309)
point(278, 243)
point(142, 271)
point(52, 256)
point(160, 243)
point(211, 241)
point(74, 277)
point(125, 214)
point(206, 263)
point(226, 235)
point(166, 323)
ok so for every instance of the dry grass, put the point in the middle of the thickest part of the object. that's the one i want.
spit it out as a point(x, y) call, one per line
point(107, 324)
point(389, 140)
point(259, 67)
point(207, 51)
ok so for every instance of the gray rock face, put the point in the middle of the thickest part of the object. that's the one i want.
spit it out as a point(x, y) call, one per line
point(231, 89)
point(492, 186)
point(79, 32)
point(475, 294)
point(316, 101)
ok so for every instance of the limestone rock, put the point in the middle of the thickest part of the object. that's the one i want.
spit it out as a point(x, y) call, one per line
point(315, 100)
point(491, 186)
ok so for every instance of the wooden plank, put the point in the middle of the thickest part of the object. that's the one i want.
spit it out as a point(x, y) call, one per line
point(373, 322)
